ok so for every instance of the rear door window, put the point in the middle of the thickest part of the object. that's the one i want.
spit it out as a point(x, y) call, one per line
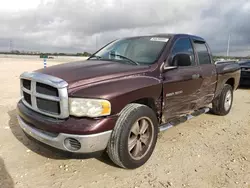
point(202, 52)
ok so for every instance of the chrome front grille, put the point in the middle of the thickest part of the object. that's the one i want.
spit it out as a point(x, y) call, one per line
point(45, 94)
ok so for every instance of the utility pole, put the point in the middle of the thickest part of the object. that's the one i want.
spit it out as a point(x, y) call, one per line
point(228, 44)
point(96, 42)
point(10, 46)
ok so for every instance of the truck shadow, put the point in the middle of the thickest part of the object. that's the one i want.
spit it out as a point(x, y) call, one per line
point(47, 151)
point(244, 87)
point(5, 179)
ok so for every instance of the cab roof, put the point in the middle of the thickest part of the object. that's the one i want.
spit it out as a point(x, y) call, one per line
point(172, 35)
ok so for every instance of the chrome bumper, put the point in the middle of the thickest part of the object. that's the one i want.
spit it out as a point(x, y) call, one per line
point(89, 143)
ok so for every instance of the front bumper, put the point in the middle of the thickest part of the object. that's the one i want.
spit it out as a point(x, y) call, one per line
point(87, 134)
point(86, 143)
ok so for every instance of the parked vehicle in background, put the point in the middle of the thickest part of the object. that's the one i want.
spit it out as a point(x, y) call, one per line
point(245, 73)
point(225, 61)
point(124, 94)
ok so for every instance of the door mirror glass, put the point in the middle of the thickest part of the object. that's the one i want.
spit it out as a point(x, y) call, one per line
point(182, 59)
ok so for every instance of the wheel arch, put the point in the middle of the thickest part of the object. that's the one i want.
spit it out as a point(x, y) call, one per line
point(231, 82)
point(151, 103)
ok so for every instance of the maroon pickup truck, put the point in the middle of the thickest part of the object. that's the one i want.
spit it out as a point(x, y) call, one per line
point(121, 97)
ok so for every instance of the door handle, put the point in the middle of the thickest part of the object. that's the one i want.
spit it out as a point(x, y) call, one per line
point(195, 76)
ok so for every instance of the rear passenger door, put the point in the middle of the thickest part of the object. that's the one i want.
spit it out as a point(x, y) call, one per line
point(208, 72)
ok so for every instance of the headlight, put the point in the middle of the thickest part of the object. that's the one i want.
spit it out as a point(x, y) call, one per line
point(89, 107)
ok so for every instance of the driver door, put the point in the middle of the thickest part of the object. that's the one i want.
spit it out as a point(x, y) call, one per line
point(181, 86)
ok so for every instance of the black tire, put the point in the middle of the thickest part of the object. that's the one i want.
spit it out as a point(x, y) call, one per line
point(218, 104)
point(117, 149)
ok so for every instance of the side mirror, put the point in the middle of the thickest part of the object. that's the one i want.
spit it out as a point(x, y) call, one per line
point(181, 60)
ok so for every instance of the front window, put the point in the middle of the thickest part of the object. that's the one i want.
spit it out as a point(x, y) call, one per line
point(139, 50)
point(183, 45)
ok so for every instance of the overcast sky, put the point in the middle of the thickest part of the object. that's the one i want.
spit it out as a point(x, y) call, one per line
point(83, 25)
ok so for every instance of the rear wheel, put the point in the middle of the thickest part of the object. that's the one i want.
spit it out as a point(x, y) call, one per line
point(223, 103)
point(134, 137)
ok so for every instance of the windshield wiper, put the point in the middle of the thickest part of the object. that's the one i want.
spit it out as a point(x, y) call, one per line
point(96, 56)
point(124, 57)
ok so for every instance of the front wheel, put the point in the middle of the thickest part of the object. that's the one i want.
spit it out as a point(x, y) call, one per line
point(223, 103)
point(134, 137)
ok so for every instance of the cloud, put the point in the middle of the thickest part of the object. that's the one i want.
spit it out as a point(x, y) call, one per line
point(78, 25)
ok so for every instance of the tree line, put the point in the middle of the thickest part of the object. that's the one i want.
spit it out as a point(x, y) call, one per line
point(16, 52)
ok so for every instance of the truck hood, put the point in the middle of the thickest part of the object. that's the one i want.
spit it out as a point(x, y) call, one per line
point(91, 71)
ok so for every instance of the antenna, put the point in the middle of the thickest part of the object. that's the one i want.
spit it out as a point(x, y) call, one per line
point(228, 44)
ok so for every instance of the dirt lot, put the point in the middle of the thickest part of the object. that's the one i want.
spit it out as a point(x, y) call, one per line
point(206, 152)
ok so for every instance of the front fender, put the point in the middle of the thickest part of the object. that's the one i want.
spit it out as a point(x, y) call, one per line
point(122, 91)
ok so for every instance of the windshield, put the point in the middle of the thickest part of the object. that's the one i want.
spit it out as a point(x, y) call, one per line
point(140, 50)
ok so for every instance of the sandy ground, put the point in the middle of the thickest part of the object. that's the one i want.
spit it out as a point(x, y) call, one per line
point(206, 152)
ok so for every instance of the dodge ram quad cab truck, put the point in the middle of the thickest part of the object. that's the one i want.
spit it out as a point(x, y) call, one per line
point(121, 97)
